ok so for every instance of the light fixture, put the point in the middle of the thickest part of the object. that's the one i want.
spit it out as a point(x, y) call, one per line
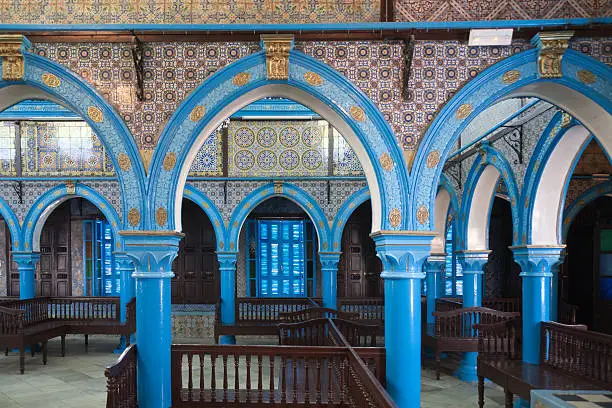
point(484, 37)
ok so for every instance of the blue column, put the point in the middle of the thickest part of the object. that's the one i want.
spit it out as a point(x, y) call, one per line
point(26, 264)
point(434, 268)
point(227, 269)
point(152, 253)
point(126, 268)
point(402, 254)
point(329, 274)
point(554, 293)
point(536, 263)
point(472, 264)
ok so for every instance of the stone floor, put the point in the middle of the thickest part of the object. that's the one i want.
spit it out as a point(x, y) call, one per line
point(77, 380)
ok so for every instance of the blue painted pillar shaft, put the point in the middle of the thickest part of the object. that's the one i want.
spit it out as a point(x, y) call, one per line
point(536, 263)
point(26, 264)
point(554, 293)
point(434, 268)
point(402, 256)
point(227, 270)
point(329, 273)
point(125, 266)
point(153, 255)
point(472, 263)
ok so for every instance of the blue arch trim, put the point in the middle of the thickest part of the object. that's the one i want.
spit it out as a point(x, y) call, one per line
point(78, 95)
point(217, 92)
point(454, 208)
point(344, 213)
point(482, 92)
point(582, 201)
point(58, 194)
point(489, 157)
point(295, 194)
point(13, 223)
point(211, 211)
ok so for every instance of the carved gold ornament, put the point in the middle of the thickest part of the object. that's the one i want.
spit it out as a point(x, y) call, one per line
point(133, 217)
point(464, 111)
point(161, 216)
point(395, 218)
point(70, 187)
point(566, 119)
point(277, 55)
point(197, 113)
point(241, 79)
point(357, 113)
point(13, 65)
point(586, 77)
point(169, 161)
point(313, 78)
point(422, 215)
point(95, 114)
point(124, 162)
point(50, 80)
point(552, 46)
point(511, 76)
point(433, 159)
point(386, 162)
point(278, 187)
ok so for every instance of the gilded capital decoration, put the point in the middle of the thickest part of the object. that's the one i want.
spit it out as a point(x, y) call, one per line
point(566, 119)
point(51, 80)
point(11, 51)
point(463, 111)
point(552, 46)
point(124, 162)
point(277, 55)
point(197, 113)
point(422, 215)
point(278, 187)
point(586, 77)
point(161, 216)
point(395, 218)
point(169, 161)
point(386, 162)
point(70, 187)
point(433, 159)
point(511, 76)
point(357, 113)
point(241, 79)
point(95, 114)
point(313, 78)
point(133, 217)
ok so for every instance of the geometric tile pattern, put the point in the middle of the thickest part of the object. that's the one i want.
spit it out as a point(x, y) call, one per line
point(209, 159)
point(466, 10)
point(189, 12)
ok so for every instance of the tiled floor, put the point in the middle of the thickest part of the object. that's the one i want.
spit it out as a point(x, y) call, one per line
point(77, 380)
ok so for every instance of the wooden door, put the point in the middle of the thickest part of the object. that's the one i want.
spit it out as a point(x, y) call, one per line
point(353, 261)
point(53, 269)
point(196, 268)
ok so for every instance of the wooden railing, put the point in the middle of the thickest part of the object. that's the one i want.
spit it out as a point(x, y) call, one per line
point(40, 309)
point(329, 332)
point(213, 375)
point(577, 351)
point(267, 309)
point(121, 381)
point(315, 313)
point(368, 308)
point(460, 323)
point(501, 304)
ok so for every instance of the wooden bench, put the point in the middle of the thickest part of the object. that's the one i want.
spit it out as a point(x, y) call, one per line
point(371, 309)
point(260, 316)
point(454, 330)
point(31, 321)
point(317, 332)
point(316, 313)
point(571, 358)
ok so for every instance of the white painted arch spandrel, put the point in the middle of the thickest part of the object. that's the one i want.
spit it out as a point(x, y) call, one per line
point(441, 214)
point(480, 208)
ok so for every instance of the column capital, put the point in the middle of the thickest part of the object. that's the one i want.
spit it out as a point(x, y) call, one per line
point(329, 260)
point(123, 260)
point(26, 259)
point(227, 260)
point(403, 252)
point(435, 263)
point(473, 261)
point(538, 260)
point(152, 252)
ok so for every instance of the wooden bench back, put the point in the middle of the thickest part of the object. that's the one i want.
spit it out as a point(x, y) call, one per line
point(500, 341)
point(368, 308)
point(315, 313)
point(459, 323)
point(329, 332)
point(266, 310)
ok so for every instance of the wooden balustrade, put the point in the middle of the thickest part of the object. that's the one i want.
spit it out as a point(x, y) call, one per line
point(447, 304)
point(328, 332)
point(213, 375)
point(460, 323)
point(40, 309)
point(121, 381)
point(503, 304)
point(268, 309)
point(315, 313)
point(372, 309)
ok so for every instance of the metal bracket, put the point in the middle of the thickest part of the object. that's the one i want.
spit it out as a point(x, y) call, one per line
point(137, 55)
point(454, 170)
point(408, 55)
point(18, 188)
point(514, 140)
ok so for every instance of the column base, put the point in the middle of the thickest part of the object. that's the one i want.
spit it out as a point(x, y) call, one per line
point(467, 369)
point(227, 339)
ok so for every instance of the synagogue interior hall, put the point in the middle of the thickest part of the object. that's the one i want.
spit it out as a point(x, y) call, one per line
point(319, 203)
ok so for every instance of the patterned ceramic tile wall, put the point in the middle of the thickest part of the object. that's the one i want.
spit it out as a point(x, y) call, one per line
point(76, 257)
point(109, 189)
point(209, 160)
point(172, 70)
point(467, 10)
point(3, 260)
point(577, 187)
point(189, 12)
